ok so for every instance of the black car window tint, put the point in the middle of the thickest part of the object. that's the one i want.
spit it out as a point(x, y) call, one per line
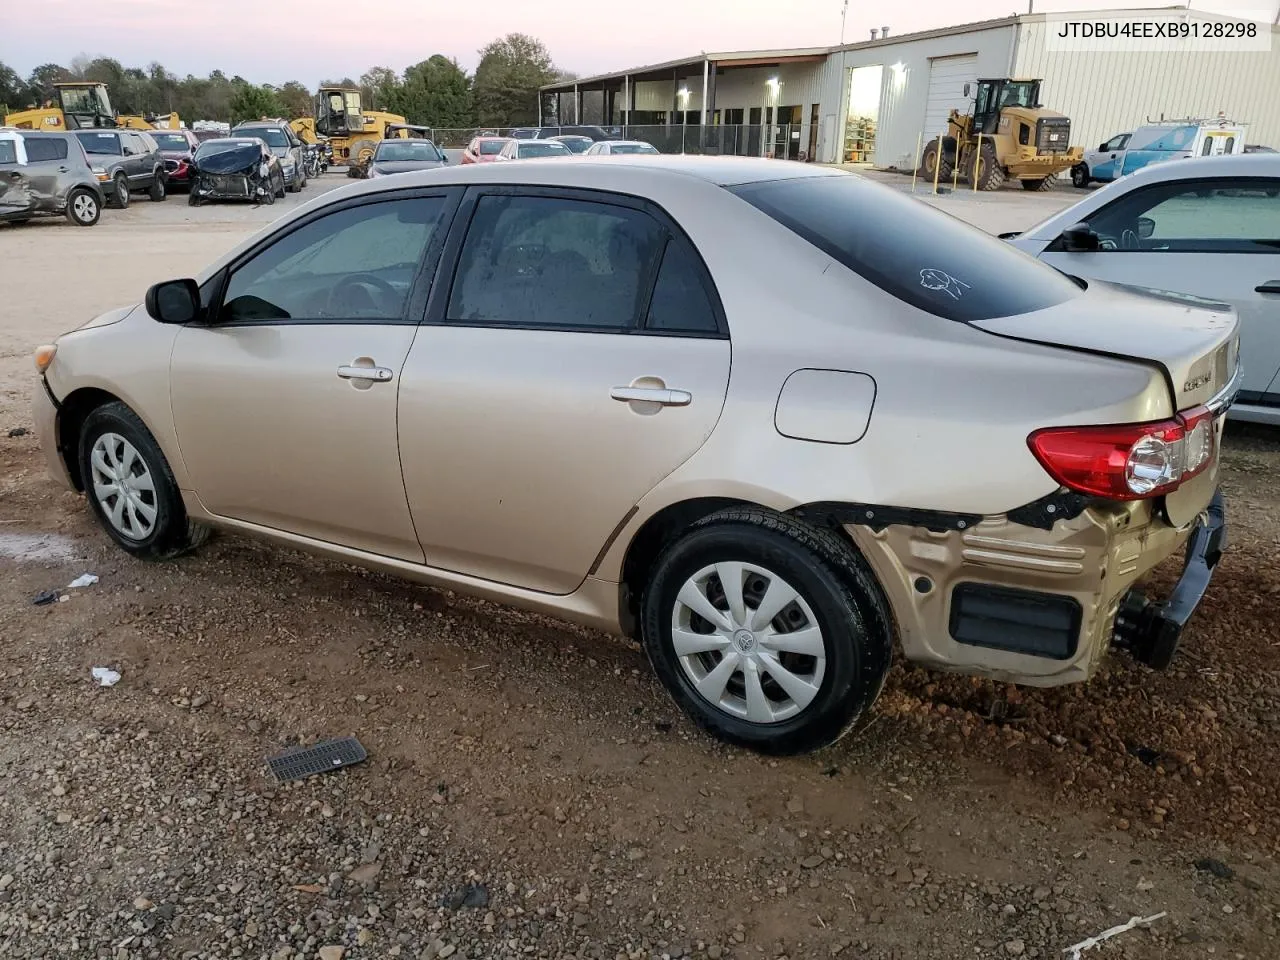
point(680, 303)
point(44, 149)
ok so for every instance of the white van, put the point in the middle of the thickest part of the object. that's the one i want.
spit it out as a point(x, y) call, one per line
point(1155, 142)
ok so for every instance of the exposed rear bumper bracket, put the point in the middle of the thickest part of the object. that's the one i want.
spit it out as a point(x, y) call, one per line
point(1151, 630)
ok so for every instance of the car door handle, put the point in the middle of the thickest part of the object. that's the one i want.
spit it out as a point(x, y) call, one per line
point(376, 374)
point(662, 395)
point(1271, 286)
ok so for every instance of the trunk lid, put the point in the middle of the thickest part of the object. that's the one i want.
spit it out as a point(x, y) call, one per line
point(1195, 341)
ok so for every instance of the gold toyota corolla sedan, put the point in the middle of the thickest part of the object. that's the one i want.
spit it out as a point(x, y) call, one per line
point(769, 418)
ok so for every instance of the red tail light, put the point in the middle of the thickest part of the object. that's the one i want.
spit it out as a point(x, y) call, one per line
point(1128, 461)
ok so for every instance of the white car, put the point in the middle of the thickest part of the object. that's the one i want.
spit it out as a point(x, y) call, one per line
point(609, 148)
point(1208, 227)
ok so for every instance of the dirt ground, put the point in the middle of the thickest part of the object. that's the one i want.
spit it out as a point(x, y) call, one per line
point(531, 791)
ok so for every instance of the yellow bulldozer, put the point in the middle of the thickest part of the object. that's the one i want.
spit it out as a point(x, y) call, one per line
point(1008, 135)
point(351, 131)
point(83, 106)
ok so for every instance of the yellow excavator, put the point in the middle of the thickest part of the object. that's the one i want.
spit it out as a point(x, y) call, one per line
point(350, 130)
point(83, 106)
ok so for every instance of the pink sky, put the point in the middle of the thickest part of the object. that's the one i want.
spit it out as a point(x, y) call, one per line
point(272, 41)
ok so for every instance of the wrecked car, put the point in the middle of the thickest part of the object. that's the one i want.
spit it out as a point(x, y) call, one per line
point(235, 168)
point(46, 174)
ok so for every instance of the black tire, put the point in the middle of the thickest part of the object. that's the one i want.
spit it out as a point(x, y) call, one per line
point(930, 158)
point(1038, 185)
point(83, 207)
point(838, 588)
point(192, 199)
point(1080, 176)
point(158, 190)
point(280, 191)
point(990, 173)
point(173, 532)
point(120, 192)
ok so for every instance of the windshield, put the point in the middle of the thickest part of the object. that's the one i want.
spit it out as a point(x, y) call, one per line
point(1023, 94)
point(923, 257)
point(632, 148)
point(103, 144)
point(171, 141)
point(490, 147)
point(394, 151)
point(86, 101)
point(212, 147)
point(273, 135)
point(548, 148)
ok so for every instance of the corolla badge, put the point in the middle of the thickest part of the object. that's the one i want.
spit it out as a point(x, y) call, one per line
point(931, 278)
point(1195, 383)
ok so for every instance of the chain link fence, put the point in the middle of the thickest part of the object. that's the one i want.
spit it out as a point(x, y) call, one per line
point(741, 140)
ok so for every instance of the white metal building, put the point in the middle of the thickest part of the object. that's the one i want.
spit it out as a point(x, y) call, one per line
point(874, 101)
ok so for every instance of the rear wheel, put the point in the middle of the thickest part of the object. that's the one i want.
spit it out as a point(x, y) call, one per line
point(83, 208)
point(158, 189)
point(1080, 176)
point(768, 632)
point(1038, 184)
point(990, 174)
point(130, 487)
point(120, 192)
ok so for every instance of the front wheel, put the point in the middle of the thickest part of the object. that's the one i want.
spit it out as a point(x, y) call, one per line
point(83, 208)
point(770, 633)
point(130, 487)
point(1080, 176)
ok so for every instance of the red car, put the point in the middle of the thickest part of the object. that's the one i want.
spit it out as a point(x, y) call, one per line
point(176, 147)
point(484, 149)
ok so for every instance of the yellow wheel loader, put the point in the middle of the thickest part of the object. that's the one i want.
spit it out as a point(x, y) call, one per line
point(1007, 136)
point(350, 130)
point(84, 106)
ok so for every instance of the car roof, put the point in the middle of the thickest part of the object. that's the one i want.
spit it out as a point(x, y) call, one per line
point(628, 143)
point(1222, 165)
point(244, 140)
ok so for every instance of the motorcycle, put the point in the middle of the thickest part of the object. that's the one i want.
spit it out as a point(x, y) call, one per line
point(313, 160)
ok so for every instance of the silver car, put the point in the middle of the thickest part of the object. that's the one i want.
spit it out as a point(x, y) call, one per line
point(1208, 227)
point(579, 388)
point(283, 143)
point(43, 174)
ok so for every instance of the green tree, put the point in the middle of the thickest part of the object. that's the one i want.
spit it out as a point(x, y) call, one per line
point(507, 79)
point(379, 87)
point(40, 83)
point(250, 103)
point(296, 100)
point(12, 90)
point(436, 93)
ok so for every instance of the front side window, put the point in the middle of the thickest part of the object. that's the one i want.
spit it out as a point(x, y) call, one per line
point(923, 257)
point(1210, 216)
point(553, 262)
point(355, 264)
point(45, 148)
point(102, 144)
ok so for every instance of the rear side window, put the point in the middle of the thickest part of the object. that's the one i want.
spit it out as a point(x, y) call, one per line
point(680, 303)
point(103, 144)
point(45, 148)
point(8, 152)
point(919, 255)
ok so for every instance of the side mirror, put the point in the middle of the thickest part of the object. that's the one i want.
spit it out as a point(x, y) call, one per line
point(1079, 238)
point(174, 301)
point(1102, 146)
point(1146, 227)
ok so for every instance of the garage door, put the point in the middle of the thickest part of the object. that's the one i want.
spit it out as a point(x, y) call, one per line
point(947, 77)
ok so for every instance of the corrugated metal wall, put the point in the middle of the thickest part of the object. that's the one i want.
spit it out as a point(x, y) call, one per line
point(1106, 93)
point(905, 92)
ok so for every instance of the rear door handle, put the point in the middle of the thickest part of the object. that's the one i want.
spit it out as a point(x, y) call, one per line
point(662, 395)
point(1271, 286)
point(376, 374)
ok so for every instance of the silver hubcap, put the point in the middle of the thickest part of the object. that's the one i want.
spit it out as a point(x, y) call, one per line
point(84, 207)
point(123, 485)
point(748, 642)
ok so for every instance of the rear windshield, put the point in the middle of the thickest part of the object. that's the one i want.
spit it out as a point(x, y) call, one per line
point(489, 147)
point(100, 143)
point(171, 141)
point(924, 257)
point(549, 148)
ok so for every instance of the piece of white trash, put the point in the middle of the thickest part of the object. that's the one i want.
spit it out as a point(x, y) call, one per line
point(105, 676)
point(84, 580)
point(1092, 942)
